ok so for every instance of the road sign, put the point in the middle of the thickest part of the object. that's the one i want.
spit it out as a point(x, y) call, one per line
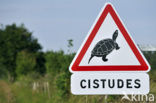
point(109, 47)
point(109, 83)
point(109, 61)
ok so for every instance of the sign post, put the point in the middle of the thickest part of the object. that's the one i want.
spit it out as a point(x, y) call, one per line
point(109, 61)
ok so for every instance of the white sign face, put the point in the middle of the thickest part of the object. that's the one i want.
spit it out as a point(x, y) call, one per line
point(109, 61)
point(109, 83)
point(109, 47)
point(122, 56)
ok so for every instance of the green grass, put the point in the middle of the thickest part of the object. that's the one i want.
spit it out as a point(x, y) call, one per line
point(21, 92)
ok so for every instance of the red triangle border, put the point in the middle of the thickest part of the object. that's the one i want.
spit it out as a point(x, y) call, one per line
point(109, 9)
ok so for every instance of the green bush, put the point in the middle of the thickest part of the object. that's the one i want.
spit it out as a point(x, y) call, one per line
point(25, 63)
point(63, 85)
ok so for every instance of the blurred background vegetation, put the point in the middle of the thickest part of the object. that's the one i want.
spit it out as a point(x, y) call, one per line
point(29, 75)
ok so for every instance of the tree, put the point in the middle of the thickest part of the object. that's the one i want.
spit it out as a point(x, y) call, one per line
point(70, 45)
point(40, 65)
point(14, 39)
point(153, 61)
point(25, 63)
point(54, 61)
point(148, 55)
point(151, 58)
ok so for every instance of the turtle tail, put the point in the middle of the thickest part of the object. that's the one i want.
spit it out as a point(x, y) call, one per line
point(90, 58)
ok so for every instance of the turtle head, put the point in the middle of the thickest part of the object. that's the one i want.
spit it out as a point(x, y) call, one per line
point(115, 35)
point(116, 46)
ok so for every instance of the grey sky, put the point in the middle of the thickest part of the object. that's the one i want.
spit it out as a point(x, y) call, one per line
point(53, 22)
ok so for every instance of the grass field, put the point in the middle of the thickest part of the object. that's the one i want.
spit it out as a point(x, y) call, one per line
point(24, 91)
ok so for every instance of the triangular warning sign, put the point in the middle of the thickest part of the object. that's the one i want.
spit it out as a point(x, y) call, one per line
point(109, 47)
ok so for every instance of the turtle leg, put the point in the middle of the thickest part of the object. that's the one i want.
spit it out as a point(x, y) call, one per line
point(90, 58)
point(104, 58)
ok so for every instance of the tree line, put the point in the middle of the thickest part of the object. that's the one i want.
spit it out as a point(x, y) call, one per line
point(21, 54)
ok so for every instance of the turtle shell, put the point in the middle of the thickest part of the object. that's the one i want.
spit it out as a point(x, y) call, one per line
point(103, 47)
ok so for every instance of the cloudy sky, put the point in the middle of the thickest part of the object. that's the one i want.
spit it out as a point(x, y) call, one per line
point(53, 22)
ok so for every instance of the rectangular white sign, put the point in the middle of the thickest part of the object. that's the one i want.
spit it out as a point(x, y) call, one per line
point(91, 83)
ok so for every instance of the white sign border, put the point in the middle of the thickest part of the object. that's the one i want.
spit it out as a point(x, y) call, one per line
point(108, 3)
